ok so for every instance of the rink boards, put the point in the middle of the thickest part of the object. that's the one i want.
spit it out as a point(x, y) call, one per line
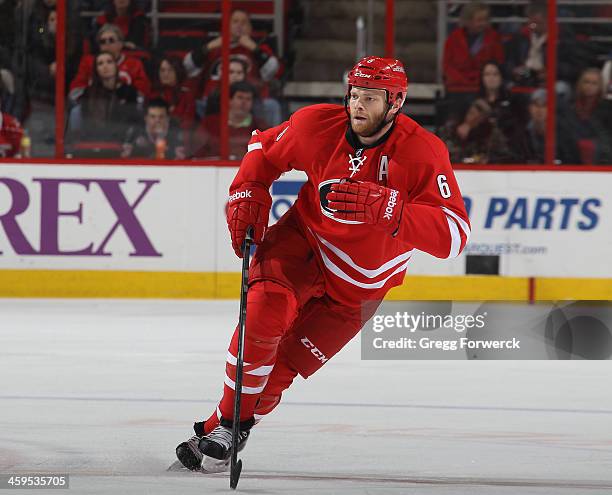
point(159, 231)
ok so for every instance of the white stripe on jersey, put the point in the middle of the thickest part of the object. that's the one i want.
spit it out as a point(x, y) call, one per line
point(462, 223)
point(364, 271)
point(281, 134)
point(332, 267)
point(455, 237)
point(254, 146)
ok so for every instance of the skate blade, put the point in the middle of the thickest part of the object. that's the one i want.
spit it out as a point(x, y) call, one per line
point(209, 466)
point(213, 466)
point(177, 466)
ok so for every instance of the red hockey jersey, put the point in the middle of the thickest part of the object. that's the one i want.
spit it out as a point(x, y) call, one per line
point(11, 133)
point(359, 262)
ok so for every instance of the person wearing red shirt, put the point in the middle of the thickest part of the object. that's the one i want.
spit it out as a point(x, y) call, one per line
point(131, 70)
point(379, 187)
point(468, 48)
point(170, 85)
point(11, 133)
point(263, 66)
point(241, 123)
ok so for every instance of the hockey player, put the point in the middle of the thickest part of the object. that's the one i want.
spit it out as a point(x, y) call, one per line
point(379, 187)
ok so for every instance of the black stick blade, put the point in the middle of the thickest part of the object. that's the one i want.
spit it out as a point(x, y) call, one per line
point(235, 474)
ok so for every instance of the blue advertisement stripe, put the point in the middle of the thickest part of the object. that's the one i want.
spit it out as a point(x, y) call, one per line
point(287, 187)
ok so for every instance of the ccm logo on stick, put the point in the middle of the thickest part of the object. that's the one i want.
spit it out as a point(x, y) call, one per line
point(390, 205)
point(314, 350)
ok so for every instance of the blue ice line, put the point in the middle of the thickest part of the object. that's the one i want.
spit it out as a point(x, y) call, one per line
point(318, 404)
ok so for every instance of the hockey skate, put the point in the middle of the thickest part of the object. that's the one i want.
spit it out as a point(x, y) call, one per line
point(211, 453)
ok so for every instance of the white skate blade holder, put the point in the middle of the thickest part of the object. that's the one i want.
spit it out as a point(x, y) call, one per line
point(209, 466)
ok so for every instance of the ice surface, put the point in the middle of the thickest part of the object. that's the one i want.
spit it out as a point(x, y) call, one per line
point(105, 390)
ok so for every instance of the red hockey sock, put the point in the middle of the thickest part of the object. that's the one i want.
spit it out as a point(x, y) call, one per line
point(280, 379)
point(271, 309)
point(210, 424)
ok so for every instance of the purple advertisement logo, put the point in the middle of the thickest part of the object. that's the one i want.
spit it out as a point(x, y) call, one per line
point(50, 214)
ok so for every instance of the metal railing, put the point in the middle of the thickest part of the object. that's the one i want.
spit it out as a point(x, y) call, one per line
point(277, 19)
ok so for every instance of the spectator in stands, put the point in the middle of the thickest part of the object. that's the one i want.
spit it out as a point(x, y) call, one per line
point(171, 86)
point(41, 122)
point(7, 31)
point(42, 58)
point(130, 19)
point(210, 102)
point(526, 51)
point(264, 67)
point(587, 120)
point(529, 141)
point(43, 21)
point(476, 139)
point(10, 133)
point(238, 69)
point(241, 123)
point(40, 14)
point(108, 107)
point(158, 138)
point(467, 49)
point(131, 70)
point(7, 90)
point(507, 111)
point(606, 73)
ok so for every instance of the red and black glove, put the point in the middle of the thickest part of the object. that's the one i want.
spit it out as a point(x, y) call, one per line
point(366, 202)
point(248, 206)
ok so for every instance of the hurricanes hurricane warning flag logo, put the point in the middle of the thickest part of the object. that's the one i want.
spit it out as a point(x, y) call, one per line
point(356, 162)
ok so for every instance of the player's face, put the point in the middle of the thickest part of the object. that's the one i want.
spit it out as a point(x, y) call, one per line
point(367, 109)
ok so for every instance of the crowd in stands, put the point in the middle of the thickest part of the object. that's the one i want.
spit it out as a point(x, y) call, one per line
point(495, 106)
point(125, 97)
point(129, 97)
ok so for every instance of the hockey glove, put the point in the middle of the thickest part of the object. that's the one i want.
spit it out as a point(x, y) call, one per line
point(368, 203)
point(248, 206)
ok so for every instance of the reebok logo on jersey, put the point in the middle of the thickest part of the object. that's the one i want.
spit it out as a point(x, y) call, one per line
point(391, 205)
point(241, 195)
point(314, 350)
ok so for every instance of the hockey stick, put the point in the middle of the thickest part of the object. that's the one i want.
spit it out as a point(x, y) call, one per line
point(236, 465)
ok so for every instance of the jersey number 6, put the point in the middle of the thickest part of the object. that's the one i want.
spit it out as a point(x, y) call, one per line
point(445, 191)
